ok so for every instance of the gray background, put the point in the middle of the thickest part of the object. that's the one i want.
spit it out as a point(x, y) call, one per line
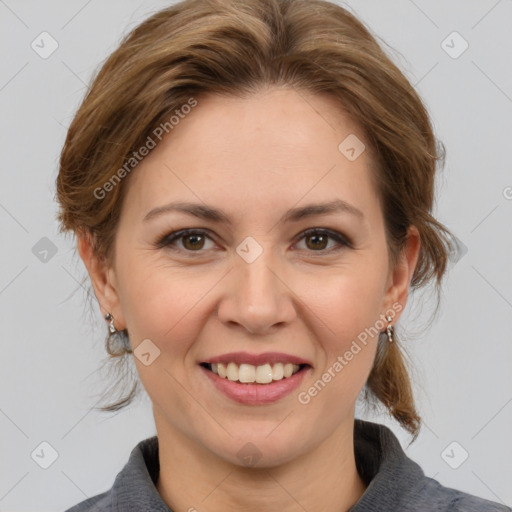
point(51, 347)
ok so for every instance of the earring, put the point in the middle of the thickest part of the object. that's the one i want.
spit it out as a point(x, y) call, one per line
point(111, 327)
point(390, 330)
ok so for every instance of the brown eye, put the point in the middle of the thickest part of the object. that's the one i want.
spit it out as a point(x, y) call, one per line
point(317, 240)
point(189, 241)
point(185, 241)
point(194, 242)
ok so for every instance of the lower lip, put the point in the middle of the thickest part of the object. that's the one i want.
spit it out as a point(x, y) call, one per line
point(256, 394)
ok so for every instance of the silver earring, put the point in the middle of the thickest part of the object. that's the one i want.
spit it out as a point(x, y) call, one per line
point(390, 330)
point(111, 327)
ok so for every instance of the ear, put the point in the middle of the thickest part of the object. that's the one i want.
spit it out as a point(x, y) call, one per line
point(103, 280)
point(397, 288)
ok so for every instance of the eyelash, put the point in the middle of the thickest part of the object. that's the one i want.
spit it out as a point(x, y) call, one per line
point(167, 241)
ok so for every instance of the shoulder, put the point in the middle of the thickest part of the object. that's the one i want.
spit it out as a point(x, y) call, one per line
point(398, 484)
point(134, 486)
point(99, 503)
point(430, 495)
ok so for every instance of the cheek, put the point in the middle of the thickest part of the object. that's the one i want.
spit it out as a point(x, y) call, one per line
point(348, 318)
point(350, 310)
point(348, 301)
point(164, 304)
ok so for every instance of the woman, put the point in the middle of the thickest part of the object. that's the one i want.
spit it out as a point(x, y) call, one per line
point(251, 185)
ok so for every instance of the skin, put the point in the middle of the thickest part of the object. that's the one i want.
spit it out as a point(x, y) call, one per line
point(255, 158)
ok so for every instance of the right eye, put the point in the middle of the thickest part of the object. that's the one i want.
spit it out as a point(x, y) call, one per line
point(192, 240)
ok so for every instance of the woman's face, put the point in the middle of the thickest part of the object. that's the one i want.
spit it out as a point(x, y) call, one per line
point(249, 280)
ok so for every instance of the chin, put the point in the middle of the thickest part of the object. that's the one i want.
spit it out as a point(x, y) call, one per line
point(259, 450)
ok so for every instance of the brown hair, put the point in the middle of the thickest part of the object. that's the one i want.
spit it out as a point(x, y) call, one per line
point(235, 47)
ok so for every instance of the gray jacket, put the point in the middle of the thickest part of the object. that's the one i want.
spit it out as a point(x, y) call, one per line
point(395, 482)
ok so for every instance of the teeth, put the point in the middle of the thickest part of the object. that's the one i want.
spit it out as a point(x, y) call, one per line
point(248, 373)
point(232, 371)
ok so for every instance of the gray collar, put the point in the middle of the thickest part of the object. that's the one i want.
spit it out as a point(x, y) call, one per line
point(395, 482)
point(380, 460)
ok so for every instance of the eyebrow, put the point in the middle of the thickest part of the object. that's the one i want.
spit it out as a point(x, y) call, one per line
point(203, 211)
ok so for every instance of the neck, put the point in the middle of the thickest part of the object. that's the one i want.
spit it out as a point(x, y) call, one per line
point(325, 479)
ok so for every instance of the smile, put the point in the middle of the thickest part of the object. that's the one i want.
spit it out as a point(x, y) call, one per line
point(253, 392)
point(248, 373)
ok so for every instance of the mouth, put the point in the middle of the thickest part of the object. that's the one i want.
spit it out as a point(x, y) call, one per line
point(255, 379)
point(258, 384)
point(263, 374)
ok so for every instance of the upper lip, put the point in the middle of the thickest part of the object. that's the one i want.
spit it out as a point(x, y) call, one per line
point(257, 359)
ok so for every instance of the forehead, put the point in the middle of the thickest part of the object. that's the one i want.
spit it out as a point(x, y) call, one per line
point(260, 153)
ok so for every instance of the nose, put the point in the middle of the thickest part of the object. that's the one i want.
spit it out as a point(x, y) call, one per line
point(259, 298)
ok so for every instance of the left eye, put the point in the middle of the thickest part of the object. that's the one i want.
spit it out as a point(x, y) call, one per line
point(320, 238)
point(194, 240)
